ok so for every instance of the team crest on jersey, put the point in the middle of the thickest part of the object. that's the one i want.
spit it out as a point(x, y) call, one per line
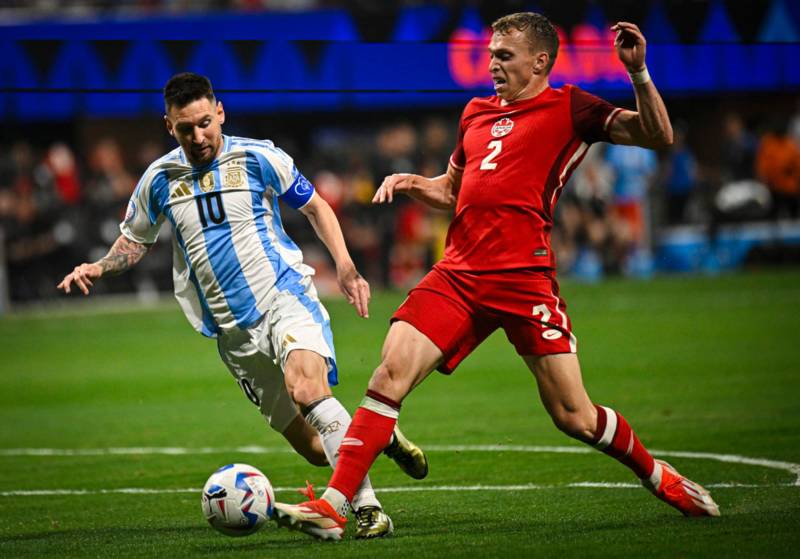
point(502, 127)
point(207, 182)
point(234, 178)
point(131, 213)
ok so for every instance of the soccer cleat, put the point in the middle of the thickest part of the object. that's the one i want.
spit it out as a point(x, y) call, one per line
point(316, 517)
point(408, 456)
point(683, 494)
point(372, 522)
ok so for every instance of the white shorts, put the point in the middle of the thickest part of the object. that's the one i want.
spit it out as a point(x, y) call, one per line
point(256, 356)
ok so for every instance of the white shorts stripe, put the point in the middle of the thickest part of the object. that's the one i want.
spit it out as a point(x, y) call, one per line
point(573, 341)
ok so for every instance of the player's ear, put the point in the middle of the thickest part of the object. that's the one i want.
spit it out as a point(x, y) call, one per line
point(168, 124)
point(540, 62)
point(220, 112)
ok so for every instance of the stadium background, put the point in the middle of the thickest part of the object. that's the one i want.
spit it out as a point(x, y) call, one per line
point(114, 411)
point(360, 90)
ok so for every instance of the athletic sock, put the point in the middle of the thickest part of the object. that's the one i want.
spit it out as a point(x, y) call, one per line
point(615, 437)
point(369, 433)
point(331, 419)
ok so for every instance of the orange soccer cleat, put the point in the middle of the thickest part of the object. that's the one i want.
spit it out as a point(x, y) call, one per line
point(316, 517)
point(683, 494)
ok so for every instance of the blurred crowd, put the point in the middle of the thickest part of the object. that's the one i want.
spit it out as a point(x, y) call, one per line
point(61, 204)
point(621, 198)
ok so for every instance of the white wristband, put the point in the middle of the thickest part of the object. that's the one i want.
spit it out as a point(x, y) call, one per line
point(640, 77)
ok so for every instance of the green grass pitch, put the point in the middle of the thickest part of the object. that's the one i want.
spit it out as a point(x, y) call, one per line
point(697, 365)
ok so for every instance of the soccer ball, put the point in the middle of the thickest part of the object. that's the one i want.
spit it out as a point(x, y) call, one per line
point(237, 500)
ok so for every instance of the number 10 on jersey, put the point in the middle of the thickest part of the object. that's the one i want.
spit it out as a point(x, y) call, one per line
point(488, 164)
point(213, 211)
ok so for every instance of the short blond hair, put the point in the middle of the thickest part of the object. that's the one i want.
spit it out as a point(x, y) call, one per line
point(539, 31)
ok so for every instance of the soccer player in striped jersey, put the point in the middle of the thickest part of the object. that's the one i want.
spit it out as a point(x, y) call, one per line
point(240, 279)
point(514, 153)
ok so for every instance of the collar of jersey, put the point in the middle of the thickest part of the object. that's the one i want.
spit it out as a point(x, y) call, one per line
point(515, 104)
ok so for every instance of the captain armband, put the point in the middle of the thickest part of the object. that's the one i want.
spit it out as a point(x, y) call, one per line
point(299, 194)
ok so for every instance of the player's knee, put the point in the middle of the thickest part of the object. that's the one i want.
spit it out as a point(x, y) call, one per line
point(390, 379)
point(572, 423)
point(306, 391)
point(306, 379)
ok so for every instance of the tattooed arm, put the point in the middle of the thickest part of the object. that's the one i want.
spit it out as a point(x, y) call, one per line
point(124, 254)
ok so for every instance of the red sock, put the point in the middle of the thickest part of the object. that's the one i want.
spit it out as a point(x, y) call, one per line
point(368, 434)
point(615, 437)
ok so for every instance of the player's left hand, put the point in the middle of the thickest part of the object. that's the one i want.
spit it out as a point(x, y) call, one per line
point(399, 182)
point(630, 45)
point(355, 288)
point(82, 276)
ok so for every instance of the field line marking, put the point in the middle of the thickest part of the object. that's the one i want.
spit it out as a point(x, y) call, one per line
point(790, 467)
point(400, 489)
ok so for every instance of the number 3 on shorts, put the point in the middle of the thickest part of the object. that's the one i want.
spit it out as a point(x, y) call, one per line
point(496, 146)
point(549, 333)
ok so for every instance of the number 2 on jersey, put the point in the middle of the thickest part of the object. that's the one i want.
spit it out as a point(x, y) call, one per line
point(487, 164)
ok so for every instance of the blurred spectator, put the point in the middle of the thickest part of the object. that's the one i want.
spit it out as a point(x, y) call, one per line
point(794, 124)
point(679, 176)
point(32, 216)
point(109, 184)
point(634, 169)
point(396, 153)
point(778, 166)
point(60, 163)
point(584, 239)
point(738, 149)
point(436, 146)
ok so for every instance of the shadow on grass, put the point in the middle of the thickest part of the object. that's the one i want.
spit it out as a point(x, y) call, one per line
point(81, 535)
point(200, 539)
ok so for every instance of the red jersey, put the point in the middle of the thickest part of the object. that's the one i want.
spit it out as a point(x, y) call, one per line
point(515, 160)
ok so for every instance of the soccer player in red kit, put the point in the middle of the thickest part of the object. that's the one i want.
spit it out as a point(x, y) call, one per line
point(515, 151)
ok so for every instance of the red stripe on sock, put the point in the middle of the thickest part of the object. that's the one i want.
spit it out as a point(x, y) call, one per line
point(639, 460)
point(367, 436)
point(383, 399)
point(601, 424)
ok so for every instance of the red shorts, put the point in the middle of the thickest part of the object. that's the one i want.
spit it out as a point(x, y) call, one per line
point(457, 310)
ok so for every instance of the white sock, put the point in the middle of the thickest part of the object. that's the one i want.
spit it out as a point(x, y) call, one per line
point(337, 500)
point(331, 420)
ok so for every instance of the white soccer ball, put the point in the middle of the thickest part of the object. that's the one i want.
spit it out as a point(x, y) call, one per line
point(237, 500)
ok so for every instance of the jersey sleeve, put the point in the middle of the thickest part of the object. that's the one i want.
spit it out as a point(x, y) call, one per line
point(592, 116)
point(143, 218)
point(279, 171)
point(458, 158)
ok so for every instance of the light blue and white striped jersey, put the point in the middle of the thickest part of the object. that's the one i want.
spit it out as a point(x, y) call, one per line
point(230, 252)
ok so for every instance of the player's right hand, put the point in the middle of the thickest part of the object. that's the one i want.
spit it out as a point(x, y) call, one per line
point(399, 182)
point(355, 288)
point(82, 276)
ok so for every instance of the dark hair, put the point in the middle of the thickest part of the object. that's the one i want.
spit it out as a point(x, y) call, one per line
point(538, 29)
point(186, 87)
